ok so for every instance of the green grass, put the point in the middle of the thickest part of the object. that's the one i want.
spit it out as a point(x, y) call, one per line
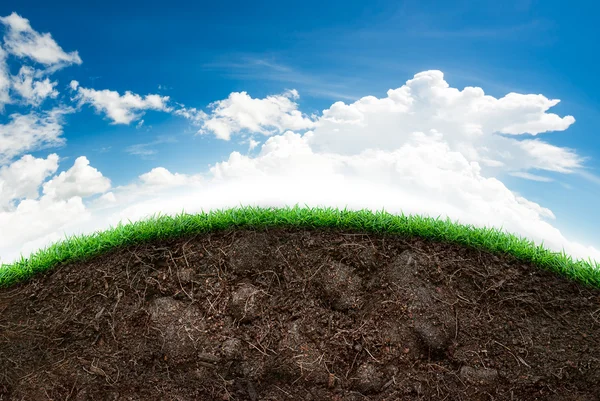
point(78, 248)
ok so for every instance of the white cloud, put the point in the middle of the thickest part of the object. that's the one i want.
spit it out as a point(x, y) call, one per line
point(162, 177)
point(157, 183)
point(194, 115)
point(549, 157)
point(191, 113)
point(532, 177)
point(252, 144)
point(107, 198)
point(144, 149)
point(33, 91)
point(31, 132)
point(120, 109)
point(4, 80)
point(268, 116)
point(22, 178)
point(22, 40)
point(140, 149)
point(35, 224)
point(81, 180)
point(424, 149)
point(257, 68)
point(469, 120)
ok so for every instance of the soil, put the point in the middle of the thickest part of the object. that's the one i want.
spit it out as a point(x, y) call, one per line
point(294, 314)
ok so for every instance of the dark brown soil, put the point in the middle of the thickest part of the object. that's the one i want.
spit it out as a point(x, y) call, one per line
point(289, 314)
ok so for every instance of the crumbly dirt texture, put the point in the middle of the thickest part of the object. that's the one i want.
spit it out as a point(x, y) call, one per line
point(293, 314)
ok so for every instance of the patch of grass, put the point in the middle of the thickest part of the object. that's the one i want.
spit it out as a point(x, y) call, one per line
point(77, 248)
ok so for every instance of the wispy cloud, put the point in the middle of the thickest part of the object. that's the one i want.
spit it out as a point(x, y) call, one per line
point(533, 177)
point(260, 68)
point(103, 149)
point(32, 132)
point(589, 176)
point(144, 149)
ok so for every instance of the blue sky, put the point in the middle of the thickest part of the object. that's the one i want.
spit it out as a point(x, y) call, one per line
point(197, 53)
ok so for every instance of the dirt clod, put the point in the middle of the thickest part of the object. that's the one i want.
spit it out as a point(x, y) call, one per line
point(482, 376)
point(368, 378)
point(245, 303)
point(434, 338)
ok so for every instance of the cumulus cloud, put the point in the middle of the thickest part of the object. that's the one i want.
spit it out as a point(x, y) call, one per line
point(31, 132)
point(162, 177)
point(424, 149)
point(107, 198)
point(81, 180)
point(22, 179)
point(268, 116)
point(158, 183)
point(35, 224)
point(121, 109)
point(470, 121)
point(37, 221)
point(31, 90)
point(22, 40)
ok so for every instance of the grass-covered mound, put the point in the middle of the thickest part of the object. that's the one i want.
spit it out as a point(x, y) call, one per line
point(273, 304)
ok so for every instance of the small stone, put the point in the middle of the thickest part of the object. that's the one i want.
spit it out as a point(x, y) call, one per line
point(368, 379)
point(186, 275)
point(231, 348)
point(480, 376)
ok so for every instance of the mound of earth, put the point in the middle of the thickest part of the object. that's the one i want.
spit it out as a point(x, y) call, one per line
point(290, 314)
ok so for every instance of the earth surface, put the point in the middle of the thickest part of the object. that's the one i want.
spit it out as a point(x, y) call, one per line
point(299, 314)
